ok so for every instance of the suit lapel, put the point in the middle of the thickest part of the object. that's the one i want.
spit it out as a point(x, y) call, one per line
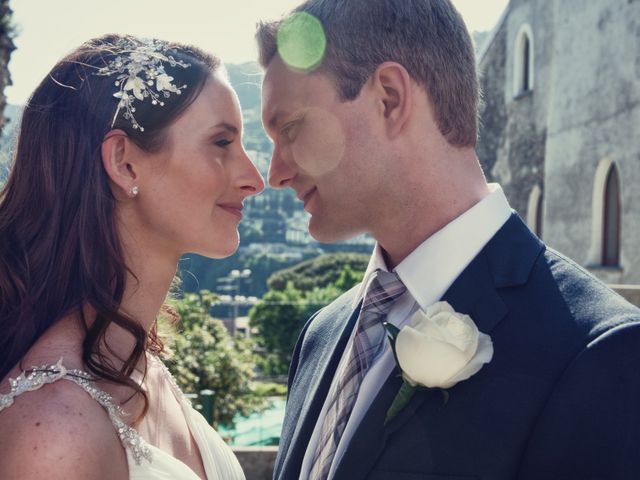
point(505, 261)
point(323, 346)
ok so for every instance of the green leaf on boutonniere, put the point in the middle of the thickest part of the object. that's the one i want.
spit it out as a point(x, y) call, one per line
point(392, 331)
point(400, 401)
point(407, 390)
point(392, 334)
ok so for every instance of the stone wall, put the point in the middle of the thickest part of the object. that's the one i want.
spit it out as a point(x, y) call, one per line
point(513, 130)
point(583, 112)
point(493, 112)
point(257, 462)
point(594, 114)
point(630, 292)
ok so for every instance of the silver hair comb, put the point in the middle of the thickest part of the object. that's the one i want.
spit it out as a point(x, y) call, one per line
point(140, 75)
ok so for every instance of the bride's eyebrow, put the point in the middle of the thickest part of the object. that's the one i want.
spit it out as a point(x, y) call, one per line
point(227, 126)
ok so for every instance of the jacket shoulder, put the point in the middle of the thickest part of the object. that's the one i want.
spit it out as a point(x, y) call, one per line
point(589, 301)
point(340, 307)
point(321, 326)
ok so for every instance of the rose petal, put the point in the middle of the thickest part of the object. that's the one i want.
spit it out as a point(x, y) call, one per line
point(437, 308)
point(441, 347)
point(427, 361)
point(442, 323)
point(457, 329)
point(424, 324)
point(483, 355)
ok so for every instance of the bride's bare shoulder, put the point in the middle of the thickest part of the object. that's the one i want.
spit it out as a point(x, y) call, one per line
point(58, 431)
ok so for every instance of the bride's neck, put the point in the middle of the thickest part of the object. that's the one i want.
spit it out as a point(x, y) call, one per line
point(146, 286)
point(148, 279)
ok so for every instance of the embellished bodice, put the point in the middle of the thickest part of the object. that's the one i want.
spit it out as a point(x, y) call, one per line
point(37, 377)
point(145, 460)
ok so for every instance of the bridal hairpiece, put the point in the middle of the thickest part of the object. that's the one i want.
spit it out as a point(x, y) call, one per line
point(140, 75)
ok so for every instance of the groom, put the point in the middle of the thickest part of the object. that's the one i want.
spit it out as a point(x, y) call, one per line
point(378, 136)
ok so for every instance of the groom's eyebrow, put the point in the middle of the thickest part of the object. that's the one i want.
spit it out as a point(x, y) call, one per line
point(273, 120)
point(276, 118)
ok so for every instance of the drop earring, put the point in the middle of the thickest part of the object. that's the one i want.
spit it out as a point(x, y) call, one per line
point(133, 191)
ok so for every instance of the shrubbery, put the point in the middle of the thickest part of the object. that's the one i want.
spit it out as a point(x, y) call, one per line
point(206, 356)
point(282, 313)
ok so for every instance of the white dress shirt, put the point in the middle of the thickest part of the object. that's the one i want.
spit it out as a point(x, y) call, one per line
point(427, 272)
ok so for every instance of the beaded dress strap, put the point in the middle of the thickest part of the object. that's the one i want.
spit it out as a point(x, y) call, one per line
point(37, 377)
point(171, 379)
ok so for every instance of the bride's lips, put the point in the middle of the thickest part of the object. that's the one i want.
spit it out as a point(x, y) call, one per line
point(233, 208)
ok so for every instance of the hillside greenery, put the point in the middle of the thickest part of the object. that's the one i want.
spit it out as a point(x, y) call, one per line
point(282, 313)
point(319, 272)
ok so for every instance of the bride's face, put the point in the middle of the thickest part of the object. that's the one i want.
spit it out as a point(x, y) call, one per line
point(191, 192)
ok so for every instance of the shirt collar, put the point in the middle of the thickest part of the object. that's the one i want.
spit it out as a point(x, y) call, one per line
point(376, 262)
point(434, 265)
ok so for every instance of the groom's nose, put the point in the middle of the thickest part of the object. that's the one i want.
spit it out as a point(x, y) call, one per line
point(281, 172)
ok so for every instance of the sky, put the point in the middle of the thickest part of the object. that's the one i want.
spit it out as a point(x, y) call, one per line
point(47, 29)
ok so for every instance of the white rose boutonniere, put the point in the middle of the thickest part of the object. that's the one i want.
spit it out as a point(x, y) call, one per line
point(437, 349)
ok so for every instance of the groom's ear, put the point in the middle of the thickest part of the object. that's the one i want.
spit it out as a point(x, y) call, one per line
point(392, 85)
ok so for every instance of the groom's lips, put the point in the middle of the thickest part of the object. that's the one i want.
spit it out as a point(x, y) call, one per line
point(307, 196)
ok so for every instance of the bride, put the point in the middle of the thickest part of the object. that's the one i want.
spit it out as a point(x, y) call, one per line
point(129, 155)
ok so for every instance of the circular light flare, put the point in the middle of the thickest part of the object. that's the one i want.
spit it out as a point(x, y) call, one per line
point(301, 42)
point(319, 150)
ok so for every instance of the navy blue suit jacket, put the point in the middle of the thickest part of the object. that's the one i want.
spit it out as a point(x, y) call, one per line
point(559, 400)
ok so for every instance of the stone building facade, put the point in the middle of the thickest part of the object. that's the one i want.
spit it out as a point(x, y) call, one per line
point(561, 126)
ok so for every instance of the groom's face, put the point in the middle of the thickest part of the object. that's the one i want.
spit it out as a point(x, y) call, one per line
point(324, 149)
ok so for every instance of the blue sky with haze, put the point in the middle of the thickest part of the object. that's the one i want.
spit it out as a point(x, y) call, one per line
point(47, 30)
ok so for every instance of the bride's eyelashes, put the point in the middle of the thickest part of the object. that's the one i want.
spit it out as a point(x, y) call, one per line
point(225, 137)
point(223, 142)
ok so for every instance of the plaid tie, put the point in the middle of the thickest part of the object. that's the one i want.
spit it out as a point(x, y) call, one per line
point(382, 292)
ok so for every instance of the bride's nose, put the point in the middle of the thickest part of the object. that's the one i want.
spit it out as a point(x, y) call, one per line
point(249, 179)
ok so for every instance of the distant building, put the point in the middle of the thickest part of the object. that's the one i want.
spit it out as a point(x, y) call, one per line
point(561, 126)
point(239, 326)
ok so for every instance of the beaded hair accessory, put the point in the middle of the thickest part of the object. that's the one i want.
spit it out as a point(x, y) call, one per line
point(140, 75)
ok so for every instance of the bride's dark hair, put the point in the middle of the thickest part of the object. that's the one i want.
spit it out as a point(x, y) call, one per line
point(59, 243)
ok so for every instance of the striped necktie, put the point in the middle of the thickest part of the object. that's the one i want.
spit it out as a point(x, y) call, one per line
point(382, 292)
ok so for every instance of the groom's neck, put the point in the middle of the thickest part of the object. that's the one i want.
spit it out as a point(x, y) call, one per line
point(436, 192)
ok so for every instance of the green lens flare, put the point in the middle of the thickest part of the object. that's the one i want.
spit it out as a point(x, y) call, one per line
point(302, 42)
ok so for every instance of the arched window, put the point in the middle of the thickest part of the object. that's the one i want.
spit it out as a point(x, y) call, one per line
point(523, 61)
point(606, 223)
point(526, 53)
point(534, 211)
point(538, 225)
point(611, 220)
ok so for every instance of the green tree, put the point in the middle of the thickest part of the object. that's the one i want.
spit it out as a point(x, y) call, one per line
point(206, 356)
point(279, 317)
point(282, 314)
point(348, 279)
point(320, 271)
point(262, 267)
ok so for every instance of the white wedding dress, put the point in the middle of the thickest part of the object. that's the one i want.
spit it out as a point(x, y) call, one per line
point(145, 461)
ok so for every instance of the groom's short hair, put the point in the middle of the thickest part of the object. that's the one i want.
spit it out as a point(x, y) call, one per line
point(428, 37)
